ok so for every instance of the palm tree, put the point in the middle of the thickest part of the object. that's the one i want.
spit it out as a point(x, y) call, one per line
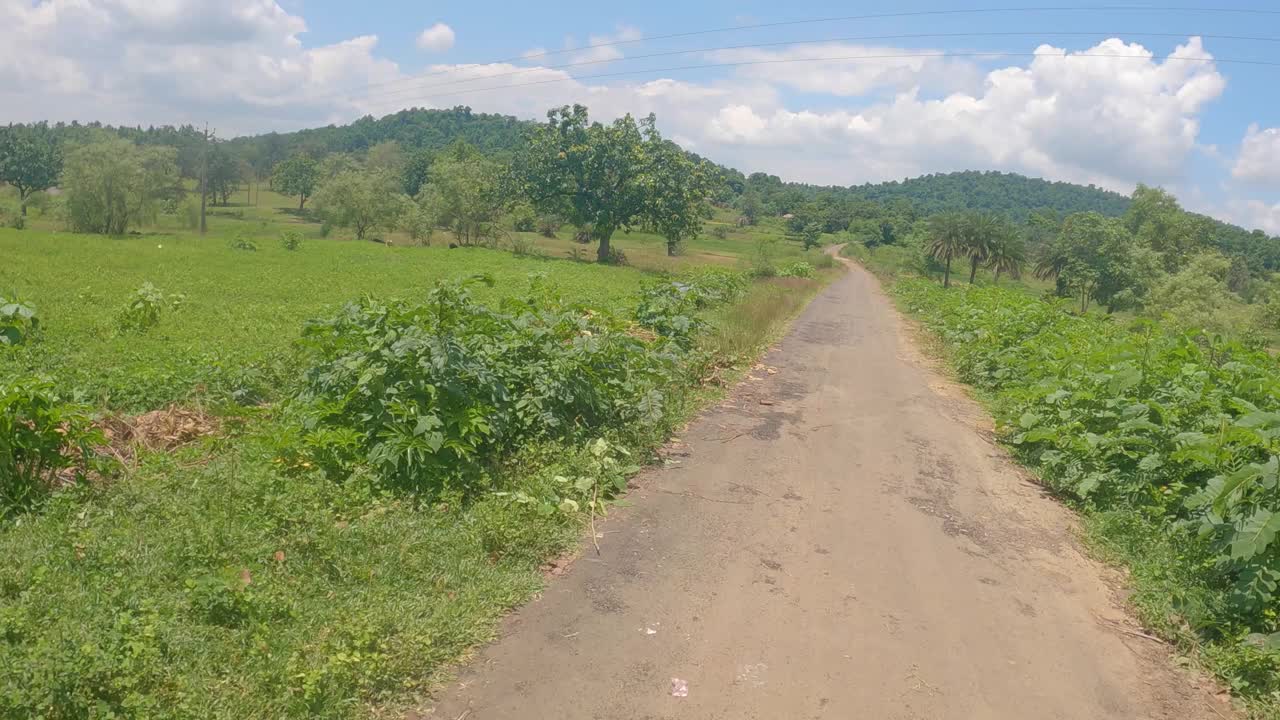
point(1051, 263)
point(946, 241)
point(980, 234)
point(1007, 254)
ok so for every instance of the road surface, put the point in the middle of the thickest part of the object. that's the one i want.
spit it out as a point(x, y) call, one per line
point(838, 539)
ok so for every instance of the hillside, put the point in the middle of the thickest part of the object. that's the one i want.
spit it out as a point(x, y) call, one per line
point(1007, 193)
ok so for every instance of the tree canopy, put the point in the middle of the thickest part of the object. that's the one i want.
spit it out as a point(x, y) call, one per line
point(30, 159)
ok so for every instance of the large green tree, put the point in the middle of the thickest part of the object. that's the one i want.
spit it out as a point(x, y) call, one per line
point(112, 185)
point(678, 199)
point(225, 172)
point(464, 195)
point(1093, 259)
point(594, 175)
point(298, 176)
point(30, 159)
point(365, 201)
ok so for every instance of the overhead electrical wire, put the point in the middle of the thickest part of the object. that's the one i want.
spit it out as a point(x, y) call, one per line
point(848, 18)
point(752, 46)
point(778, 61)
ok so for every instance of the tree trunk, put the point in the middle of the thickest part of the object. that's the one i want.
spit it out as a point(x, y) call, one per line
point(997, 274)
point(302, 200)
point(946, 274)
point(22, 201)
point(973, 269)
point(671, 248)
point(602, 252)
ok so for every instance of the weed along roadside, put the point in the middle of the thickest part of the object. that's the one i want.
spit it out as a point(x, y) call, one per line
point(1164, 441)
point(329, 553)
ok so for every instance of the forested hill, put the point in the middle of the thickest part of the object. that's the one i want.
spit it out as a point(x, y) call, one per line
point(415, 129)
point(1007, 193)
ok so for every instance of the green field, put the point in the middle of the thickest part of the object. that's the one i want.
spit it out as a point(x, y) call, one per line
point(232, 337)
point(228, 578)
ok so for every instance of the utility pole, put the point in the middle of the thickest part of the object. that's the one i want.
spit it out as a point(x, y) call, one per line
point(204, 180)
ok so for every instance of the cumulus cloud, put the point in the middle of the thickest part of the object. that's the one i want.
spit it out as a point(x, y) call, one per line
point(1064, 115)
point(1104, 120)
point(238, 64)
point(437, 38)
point(1259, 159)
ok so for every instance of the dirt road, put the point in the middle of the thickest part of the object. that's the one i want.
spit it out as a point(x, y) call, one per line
point(839, 539)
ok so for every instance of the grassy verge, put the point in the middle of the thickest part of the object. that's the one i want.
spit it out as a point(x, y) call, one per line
point(232, 578)
point(1162, 441)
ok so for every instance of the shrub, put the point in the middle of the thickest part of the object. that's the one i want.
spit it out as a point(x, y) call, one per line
point(720, 232)
point(548, 226)
point(762, 265)
point(18, 222)
point(797, 269)
point(191, 212)
point(242, 242)
point(523, 218)
point(428, 396)
point(19, 322)
point(42, 440)
point(670, 307)
point(1171, 429)
point(617, 256)
point(291, 240)
point(145, 307)
point(523, 247)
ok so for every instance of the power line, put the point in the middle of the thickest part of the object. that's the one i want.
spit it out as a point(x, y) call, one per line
point(704, 66)
point(861, 38)
point(847, 18)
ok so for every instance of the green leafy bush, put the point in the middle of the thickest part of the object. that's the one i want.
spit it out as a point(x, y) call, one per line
point(242, 242)
point(145, 308)
point(291, 240)
point(43, 441)
point(670, 307)
point(429, 395)
point(19, 322)
point(799, 268)
point(1179, 429)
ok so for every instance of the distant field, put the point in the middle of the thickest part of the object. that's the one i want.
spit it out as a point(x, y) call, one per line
point(231, 338)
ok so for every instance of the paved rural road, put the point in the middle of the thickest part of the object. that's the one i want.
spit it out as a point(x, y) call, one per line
point(839, 539)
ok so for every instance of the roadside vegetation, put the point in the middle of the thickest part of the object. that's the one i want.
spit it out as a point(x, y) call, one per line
point(1129, 362)
point(279, 469)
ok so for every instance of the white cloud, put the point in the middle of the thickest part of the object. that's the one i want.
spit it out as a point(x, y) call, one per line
point(1250, 214)
point(437, 38)
point(604, 48)
point(239, 64)
point(1259, 158)
point(848, 70)
point(1105, 120)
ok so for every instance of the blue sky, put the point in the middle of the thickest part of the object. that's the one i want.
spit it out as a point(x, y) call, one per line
point(1209, 131)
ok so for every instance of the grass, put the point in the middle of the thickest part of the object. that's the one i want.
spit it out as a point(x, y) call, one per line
point(214, 582)
point(231, 339)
